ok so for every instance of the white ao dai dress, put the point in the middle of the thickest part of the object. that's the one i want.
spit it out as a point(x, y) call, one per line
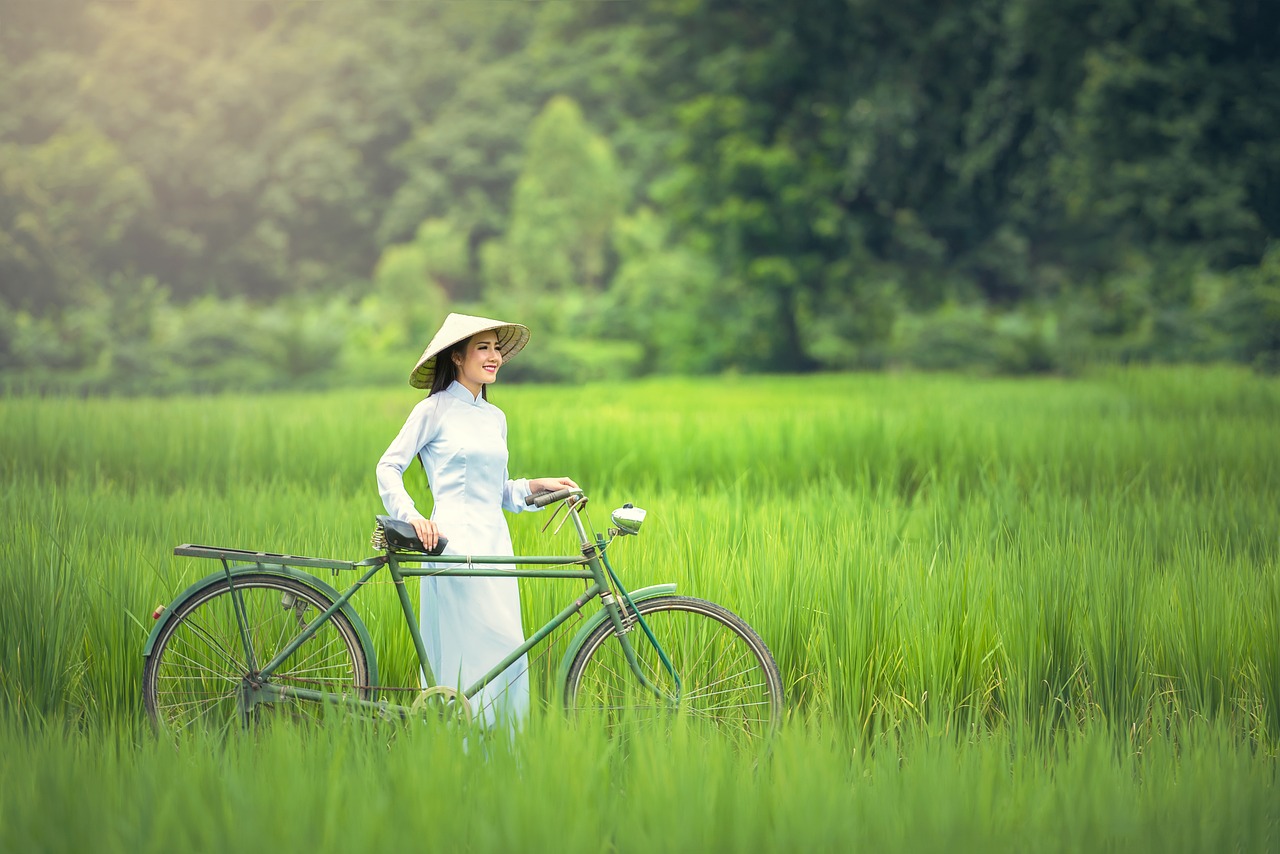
point(468, 624)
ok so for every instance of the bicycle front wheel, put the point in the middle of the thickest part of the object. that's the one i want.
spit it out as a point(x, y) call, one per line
point(728, 678)
point(198, 667)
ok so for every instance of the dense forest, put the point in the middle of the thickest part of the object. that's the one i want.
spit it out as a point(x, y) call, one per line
point(264, 194)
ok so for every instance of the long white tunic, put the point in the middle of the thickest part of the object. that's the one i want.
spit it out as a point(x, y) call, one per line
point(468, 624)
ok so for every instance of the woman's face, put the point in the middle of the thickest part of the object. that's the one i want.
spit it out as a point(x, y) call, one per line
point(479, 361)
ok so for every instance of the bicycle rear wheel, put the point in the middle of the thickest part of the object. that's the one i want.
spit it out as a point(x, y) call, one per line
point(197, 667)
point(729, 681)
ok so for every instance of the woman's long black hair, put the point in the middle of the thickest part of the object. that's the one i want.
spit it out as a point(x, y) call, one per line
point(447, 371)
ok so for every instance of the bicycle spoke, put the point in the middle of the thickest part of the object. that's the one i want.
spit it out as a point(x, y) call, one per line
point(319, 648)
point(730, 676)
point(209, 706)
point(281, 639)
point(213, 694)
point(256, 630)
point(726, 706)
point(319, 677)
point(737, 689)
point(737, 720)
point(193, 675)
point(188, 643)
point(196, 679)
point(725, 682)
point(615, 674)
point(179, 711)
point(199, 666)
point(214, 643)
point(697, 663)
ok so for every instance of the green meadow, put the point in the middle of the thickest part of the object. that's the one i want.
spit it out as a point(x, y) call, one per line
point(1036, 614)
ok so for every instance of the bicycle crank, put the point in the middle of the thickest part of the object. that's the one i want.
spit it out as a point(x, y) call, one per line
point(446, 703)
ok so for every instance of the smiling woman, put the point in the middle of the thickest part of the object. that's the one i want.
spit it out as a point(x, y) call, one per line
point(477, 362)
point(468, 624)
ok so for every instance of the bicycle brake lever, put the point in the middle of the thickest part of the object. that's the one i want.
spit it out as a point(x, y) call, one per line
point(576, 505)
point(554, 514)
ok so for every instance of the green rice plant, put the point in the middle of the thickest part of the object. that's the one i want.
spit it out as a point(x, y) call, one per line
point(1117, 659)
point(46, 601)
point(1023, 615)
point(356, 786)
point(1046, 676)
point(917, 550)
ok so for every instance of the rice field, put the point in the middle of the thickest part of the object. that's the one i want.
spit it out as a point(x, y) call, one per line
point(1035, 614)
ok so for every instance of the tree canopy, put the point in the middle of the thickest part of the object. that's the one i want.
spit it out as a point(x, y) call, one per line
point(694, 185)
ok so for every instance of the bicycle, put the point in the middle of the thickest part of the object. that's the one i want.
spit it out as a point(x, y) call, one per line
point(262, 636)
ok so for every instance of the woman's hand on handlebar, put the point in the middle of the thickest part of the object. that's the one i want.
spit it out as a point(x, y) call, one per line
point(551, 484)
point(427, 531)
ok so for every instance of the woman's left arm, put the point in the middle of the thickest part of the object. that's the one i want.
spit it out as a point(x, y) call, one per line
point(551, 484)
point(514, 492)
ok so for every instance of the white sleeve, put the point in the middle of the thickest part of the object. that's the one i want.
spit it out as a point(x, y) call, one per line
point(418, 430)
point(514, 492)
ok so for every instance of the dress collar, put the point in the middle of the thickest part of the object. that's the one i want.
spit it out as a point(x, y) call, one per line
point(459, 391)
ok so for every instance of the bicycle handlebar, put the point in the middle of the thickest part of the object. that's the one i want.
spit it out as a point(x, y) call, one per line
point(542, 499)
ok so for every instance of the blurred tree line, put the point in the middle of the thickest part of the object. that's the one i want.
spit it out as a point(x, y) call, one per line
point(261, 194)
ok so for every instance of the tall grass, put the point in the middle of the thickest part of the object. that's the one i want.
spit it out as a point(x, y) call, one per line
point(1039, 614)
point(355, 788)
point(912, 548)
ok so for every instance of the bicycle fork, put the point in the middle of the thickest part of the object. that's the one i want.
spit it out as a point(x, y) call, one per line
point(625, 616)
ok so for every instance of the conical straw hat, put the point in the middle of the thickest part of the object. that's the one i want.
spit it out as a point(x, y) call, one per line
point(459, 327)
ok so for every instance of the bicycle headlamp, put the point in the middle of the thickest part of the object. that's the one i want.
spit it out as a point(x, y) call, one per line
point(628, 519)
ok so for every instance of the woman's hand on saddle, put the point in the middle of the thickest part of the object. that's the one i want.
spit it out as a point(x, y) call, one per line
point(427, 531)
point(551, 484)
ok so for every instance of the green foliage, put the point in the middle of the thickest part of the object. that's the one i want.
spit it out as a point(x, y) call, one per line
point(1172, 313)
point(1029, 614)
point(813, 185)
point(65, 206)
point(578, 341)
point(1257, 313)
point(844, 326)
point(956, 337)
point(354, 787)
point(971, 553)
point(1157, 144)
point(412, 281)
point(43, 669)
point(562, 211)
point(133, 340)
point(670, 298)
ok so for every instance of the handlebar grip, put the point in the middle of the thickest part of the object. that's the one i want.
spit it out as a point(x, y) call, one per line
point(542, 499)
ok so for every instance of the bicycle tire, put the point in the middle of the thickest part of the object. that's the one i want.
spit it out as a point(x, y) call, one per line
point(198, 661)
point(728, 677)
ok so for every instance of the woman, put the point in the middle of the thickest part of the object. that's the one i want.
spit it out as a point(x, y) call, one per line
point(468, 624)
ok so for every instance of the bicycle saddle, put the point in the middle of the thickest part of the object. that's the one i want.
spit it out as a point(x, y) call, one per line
point(394, 535)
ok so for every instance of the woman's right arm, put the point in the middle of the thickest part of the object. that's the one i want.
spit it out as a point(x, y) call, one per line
point(417, 431)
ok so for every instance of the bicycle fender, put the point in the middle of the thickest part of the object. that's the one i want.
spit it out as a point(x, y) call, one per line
point(317, 584)
point(596, 619)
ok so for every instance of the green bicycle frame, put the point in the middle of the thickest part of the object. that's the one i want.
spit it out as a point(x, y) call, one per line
point(402, 565)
